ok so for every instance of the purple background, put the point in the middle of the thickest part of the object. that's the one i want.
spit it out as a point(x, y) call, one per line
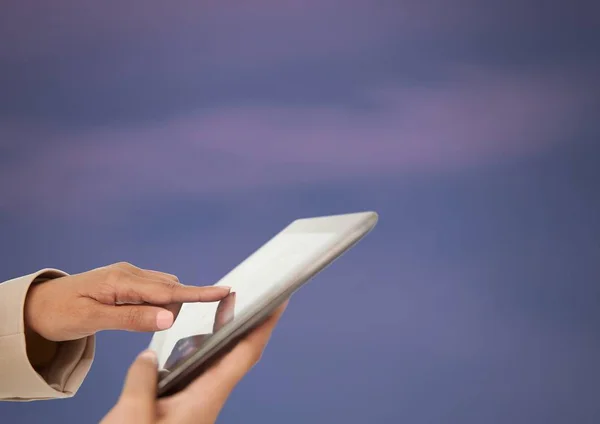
point(181, 135)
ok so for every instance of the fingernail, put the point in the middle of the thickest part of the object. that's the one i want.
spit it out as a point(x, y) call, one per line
point(149, 355)
point(225, 287)
point(164, 320)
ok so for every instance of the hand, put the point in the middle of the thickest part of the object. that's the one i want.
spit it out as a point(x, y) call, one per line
point(116, 297)
point(203, 399)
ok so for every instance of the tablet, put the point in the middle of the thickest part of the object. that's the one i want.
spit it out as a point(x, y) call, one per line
point(259, 285)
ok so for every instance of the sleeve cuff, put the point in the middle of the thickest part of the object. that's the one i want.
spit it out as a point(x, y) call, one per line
point(19, 380)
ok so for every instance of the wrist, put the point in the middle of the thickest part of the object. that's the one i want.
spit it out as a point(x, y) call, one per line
point(33, 314)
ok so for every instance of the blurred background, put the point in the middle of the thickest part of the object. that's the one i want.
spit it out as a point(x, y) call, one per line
point(181, 135)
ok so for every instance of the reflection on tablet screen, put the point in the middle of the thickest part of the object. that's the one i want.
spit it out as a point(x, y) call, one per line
point(185, 347)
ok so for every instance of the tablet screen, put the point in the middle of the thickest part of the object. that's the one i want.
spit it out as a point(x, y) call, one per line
point(261, 274)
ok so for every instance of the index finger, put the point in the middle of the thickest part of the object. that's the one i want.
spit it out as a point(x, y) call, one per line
point(162, 293)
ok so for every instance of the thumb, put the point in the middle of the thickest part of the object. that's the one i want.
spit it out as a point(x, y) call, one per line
point(135, 318)
point(138, 397)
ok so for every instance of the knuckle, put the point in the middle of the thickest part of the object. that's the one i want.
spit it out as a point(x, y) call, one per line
point(170, 287)
point(125, 265)
point(103, 289)
point(114, 275)
point(164, 276)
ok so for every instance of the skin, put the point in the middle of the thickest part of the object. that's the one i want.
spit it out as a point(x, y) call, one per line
point(202, 401)
point(115, 297)
point(124, 297)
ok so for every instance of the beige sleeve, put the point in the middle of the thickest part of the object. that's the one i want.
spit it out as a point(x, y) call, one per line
point(32, 368)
